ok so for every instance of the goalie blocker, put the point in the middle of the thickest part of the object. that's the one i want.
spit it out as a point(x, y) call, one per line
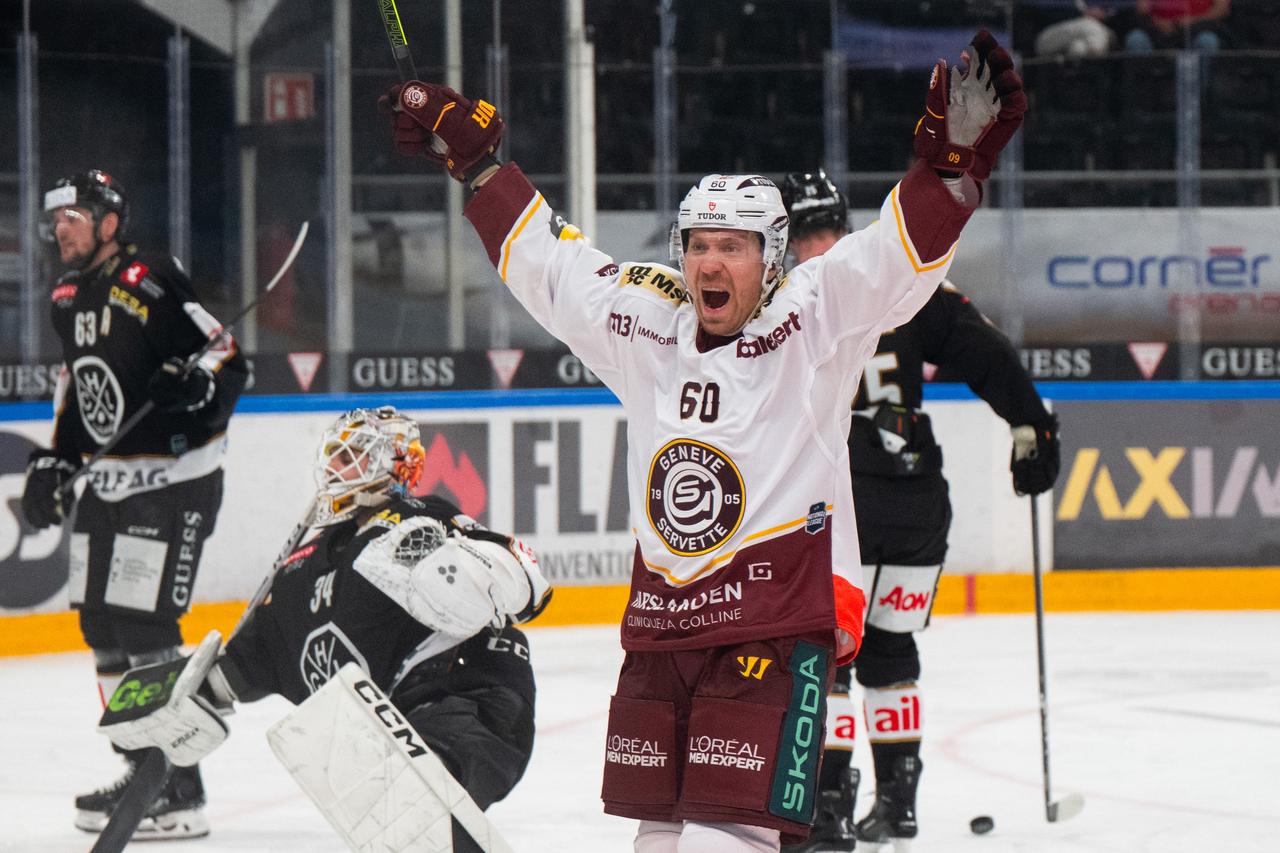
point(373, 776)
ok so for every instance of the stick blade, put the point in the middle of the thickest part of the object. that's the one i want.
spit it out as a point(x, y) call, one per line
point(1065, 808)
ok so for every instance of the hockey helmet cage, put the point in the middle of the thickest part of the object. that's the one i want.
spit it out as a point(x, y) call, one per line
point(739, 202)
point(364, 455)
point(814, 203)
point(94, 190)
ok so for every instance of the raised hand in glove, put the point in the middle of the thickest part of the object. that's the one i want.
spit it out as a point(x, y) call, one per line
point(173, 389)
point(435, 122)
point(1035, 458)
point(44, 502)
point(971, 112)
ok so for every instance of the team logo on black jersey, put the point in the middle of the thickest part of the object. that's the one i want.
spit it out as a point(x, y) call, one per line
point(99, 395)
point(696, 497)
point(326, 651)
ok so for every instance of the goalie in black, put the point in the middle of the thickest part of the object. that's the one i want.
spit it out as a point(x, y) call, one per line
point(903, 512)
point(421, 597)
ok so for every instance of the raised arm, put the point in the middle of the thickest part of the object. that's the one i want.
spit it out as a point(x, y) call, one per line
point(567, 286)
point(881, 276)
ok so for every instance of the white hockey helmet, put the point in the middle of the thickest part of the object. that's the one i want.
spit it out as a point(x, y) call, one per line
point(740, 202)
point(363, 456)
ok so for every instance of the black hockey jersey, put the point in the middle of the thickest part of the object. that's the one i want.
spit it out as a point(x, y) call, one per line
point(950, 333)
point(117, 324)
point(322, 614)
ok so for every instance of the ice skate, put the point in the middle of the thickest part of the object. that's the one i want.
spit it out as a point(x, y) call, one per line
point(833, 828)
point(94, 808)
point(892, 819)
point(179, 810)
point(177, 813)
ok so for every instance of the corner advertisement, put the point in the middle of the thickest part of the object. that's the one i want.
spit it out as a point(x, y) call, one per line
point(1122, 274)
point(1168, 483)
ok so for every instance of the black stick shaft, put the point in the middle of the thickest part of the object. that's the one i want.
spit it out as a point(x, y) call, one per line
point(192, 360)
point(1044, 697)
point(399, 44)
point(143, 790)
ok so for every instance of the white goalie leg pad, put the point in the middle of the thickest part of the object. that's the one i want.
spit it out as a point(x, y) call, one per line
point(371, 775)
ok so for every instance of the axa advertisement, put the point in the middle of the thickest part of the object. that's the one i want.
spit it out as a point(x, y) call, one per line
point(1168, 483)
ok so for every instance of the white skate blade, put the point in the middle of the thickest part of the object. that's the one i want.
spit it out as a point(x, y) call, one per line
point(1065, 808)
point(91, 821)
point(187, 823)
point(893, 845)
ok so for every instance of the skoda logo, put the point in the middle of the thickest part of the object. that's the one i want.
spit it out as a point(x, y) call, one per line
point(695, 497)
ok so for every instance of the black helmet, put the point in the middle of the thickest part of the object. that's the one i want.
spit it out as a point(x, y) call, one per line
point(814, 203)
point(95, 190)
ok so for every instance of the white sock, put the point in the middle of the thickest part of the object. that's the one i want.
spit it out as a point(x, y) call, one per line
point(728, 838)
point(658, 836)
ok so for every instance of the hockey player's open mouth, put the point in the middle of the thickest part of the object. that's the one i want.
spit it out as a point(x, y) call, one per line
point(715, 298)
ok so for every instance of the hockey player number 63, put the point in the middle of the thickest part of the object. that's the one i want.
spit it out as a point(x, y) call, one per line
point(86, 326)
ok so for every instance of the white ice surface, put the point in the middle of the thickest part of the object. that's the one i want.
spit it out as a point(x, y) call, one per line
point(1167, 723)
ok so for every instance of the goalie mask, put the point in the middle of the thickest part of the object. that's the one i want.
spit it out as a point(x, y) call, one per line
point(738, 202)
point(364, 457)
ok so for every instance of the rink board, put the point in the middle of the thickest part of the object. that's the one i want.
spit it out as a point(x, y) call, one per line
point(550, 466)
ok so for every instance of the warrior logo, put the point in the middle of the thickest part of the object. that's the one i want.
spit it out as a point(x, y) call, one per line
point(696, 497)
point(325, 652)
point(101, 400)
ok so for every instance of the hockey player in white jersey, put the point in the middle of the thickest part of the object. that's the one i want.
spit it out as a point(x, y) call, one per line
point(735, 379)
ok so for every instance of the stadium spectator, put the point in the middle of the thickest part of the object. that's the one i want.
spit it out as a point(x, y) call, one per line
point(1171, 24)
point(1076, 30)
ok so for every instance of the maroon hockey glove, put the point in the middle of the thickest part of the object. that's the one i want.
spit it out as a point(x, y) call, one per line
point(435, 122)
point(1036, 456)
point(971, 113)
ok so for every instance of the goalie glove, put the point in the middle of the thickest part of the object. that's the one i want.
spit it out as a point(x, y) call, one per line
point(434, 121)
point(157, 706)
point(970, 114)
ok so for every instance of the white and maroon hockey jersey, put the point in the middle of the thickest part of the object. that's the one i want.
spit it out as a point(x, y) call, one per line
point(738, 471)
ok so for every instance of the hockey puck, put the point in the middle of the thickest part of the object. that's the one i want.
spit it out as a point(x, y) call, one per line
point(982, 824)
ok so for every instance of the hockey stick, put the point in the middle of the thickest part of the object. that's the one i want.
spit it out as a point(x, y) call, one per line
point(143, 789)
point(178, 677)
point(192, 360)
point(290, 546)
point(1070, 805)
point(399, 44)
point(403, 58)
point(149, 778)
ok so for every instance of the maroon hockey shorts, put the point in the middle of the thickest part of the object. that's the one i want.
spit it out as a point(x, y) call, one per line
point(731, 733)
